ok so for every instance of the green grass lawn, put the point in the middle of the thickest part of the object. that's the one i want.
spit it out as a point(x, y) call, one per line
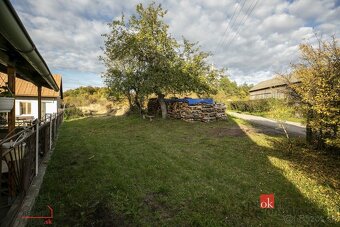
point(113, 171)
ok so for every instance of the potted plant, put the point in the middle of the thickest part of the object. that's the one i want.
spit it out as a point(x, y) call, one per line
point(6, 99)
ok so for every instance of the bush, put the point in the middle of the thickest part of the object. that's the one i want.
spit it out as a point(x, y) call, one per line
point(318, 91)
point(261, 105)
point(73, 112)
point(278, 109)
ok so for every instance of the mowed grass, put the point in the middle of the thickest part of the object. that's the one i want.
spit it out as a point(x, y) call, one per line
point(126, 171)
point(270, 115)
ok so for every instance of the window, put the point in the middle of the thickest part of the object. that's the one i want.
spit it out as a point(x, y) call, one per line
point(43, 109)
point(25, 108)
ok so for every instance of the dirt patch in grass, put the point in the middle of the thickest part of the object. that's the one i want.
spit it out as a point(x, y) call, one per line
point(154, 202)
point(102, 215)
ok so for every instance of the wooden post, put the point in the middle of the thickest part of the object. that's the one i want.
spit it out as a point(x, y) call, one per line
point(37, 147)
point(11, 85)
point(39, 103)
point(55, 127)
point(50, 131)
point(1, 175)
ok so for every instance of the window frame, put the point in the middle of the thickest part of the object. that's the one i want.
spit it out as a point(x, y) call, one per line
point(25, 108)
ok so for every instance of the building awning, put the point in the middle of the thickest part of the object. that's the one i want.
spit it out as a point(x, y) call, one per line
point(17, 49)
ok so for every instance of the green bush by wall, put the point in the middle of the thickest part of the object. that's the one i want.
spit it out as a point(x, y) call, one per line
point(260, 105)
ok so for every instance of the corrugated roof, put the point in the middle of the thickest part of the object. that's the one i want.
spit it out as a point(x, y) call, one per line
point(27, 89)
point(274, 82)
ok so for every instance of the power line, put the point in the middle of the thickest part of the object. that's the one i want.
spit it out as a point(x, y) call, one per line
point(247, 15)
point(226, 41)
point(225, 31)
point(231, 21)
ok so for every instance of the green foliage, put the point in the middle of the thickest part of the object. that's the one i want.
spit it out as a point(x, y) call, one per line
point(243, 90)
point(142, 59)
point(72, 113)
point(84, 96)
point(277, 109)
point(319, 73)
point(81, 91)
point(230, 90)
point(260, 105)
point(5, 92)
point(281, 108)
point(227, 86)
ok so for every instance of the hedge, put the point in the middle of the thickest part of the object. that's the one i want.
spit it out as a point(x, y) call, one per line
point(260, 105)
point(73, 112)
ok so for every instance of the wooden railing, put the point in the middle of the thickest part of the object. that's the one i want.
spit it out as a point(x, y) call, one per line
point(21, 155)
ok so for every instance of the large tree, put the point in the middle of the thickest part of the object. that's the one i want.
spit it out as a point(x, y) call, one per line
point(142, 58)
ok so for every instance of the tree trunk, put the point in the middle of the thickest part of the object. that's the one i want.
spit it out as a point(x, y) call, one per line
point(163, 105)
point(309, 132)
point(130, 101)
point(138, 104)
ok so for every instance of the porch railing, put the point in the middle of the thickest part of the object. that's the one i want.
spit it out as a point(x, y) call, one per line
point(21, 155)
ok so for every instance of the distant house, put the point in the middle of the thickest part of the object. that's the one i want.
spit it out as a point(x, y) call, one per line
point(273, 88)
point(26, 98)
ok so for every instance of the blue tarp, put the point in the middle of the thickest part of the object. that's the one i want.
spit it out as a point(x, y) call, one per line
point(191, 101)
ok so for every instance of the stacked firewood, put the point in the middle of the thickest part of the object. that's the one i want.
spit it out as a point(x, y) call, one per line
point(153, 106)
point(220, 109)
point(177, 110)
point(199, 112)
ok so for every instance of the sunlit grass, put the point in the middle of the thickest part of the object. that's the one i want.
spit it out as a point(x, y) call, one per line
point(324, 196)
point(130, 171)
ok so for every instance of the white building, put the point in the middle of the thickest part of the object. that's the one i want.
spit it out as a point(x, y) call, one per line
point(26, 98)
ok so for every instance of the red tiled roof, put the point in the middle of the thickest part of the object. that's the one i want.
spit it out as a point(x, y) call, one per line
point(25, 88)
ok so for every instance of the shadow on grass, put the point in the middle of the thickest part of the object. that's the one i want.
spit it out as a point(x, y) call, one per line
point(321, 166)
point(128, 171)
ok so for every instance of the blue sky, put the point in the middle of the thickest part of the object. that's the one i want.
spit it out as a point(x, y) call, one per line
point(253, 45)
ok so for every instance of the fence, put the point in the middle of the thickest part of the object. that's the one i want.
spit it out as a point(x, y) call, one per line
point(21, 155)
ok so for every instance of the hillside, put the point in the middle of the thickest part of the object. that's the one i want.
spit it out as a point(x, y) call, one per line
point(84, 101)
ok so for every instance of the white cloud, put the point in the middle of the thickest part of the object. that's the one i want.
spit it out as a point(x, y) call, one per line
point(281, 23)
point(310, 9)
point(68, 33)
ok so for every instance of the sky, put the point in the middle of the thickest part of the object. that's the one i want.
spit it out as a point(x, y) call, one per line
point(253, 39)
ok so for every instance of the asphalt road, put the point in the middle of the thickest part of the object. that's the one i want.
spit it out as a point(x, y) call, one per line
point(292, 128)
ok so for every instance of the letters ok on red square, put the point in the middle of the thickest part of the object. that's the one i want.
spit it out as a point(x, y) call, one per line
point(267, 201)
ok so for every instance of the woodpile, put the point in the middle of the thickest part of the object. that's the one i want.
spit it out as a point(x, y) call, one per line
point(153, 106)
point(199, 112)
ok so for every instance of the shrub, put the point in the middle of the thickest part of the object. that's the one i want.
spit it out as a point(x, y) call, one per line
point(278, 109)
point(73, 112)
point(261, 105)
point(319, 73)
